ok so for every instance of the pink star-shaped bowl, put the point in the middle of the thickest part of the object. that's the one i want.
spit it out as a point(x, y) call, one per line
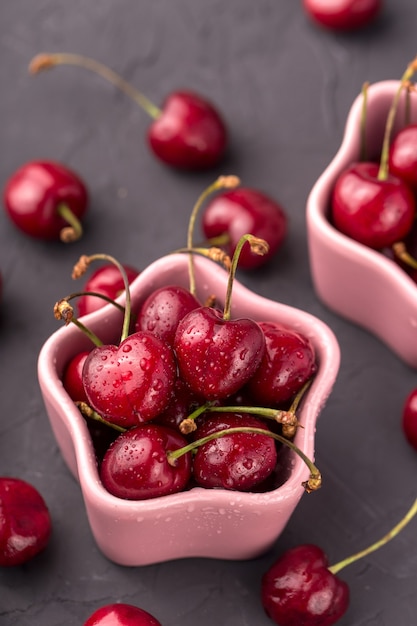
point(200, 522)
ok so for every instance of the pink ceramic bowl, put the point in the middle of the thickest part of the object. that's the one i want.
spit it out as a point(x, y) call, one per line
point(358, 283)
point(199, 522)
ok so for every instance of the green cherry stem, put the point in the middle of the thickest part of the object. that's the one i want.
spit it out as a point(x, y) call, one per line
point(378, 544)
point(312, 484)
point(81, 267)
point(46, 61)
point(406, 77)
point(89, 413)
point(63, 310)
point(223, 182)
point(74, 230)
point(96, 294)
point(258, 246)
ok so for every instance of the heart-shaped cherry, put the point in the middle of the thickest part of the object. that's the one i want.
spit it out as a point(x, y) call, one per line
point(46, 200)
point(239, 460)
point(300, 588)
point(233, 213)
point(25, 522)
point(106, 280)
point(121, 614)
point(137, 466)
point(409, 418)
point(288, 362)
point(163, 309)
point(187, 133)
point(342, 14)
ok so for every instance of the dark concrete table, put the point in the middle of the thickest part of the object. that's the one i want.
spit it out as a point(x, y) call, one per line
point(285, 88)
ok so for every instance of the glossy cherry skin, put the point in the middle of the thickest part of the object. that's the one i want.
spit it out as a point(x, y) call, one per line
point(189, 134)
point(108, 281)
point(136, 466)
point(34, 192)
point(238, 461)
point(376, 213)
point(288, 362)
point(163, 309)
point(72, 378)
point(130, 383)
point(343, 14)
point(121, 614)
point(241, 211)
point(215, 356)
point(402, 158)
point(409, 418)
point(25, 522)
point(299, 589)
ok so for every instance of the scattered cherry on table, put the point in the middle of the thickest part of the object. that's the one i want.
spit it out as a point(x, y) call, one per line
point(343, 15)
point(121, 614)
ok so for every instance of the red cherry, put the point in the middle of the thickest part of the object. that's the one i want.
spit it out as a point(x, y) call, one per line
point(287, 364)
point(300, 590)
point(409, 418)
point(121, 614)
point(46, 200)
point(136, 465)
point(130, 383)
point(72, 378)
point(403, 155)
point(163, 309)
point(25, 523)
point(108, 281)
point(343, 14)
point(217, 356)
point(239, 460)
point(187, 133)
point(375, 212)
point(232, 214)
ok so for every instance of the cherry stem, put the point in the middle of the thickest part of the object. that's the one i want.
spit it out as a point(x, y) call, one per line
point(215, 254)
point(312, 484)
point(225, 182)
point(401, 253)
point(88, 412)
point(363, 152)
point(81, 267)
point(258, 246)
point(46, 61)
point(64, 311)
point(378, 544)
point(74, 230)
point(96, 294)
point(406, 77)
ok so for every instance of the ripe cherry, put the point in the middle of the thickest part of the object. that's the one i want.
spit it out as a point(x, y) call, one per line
point(300, 588)
point(239, 460)
point(409, 418)
point(25, 522)
point(107, 281)
point(233, 213)
point(343, 14)
point(46, 200)
point(287, 364)
point(137, 465)
point(187, 133)
point(403, 155)
point(72, 378)
point(121, 614)
point(163, 309)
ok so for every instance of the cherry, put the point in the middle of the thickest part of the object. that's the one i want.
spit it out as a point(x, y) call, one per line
point(287, 364)
point(403, 155)
point(72, 378)
point(342, 14)
point(25, 522)
point(301, 589)
point(409, 418)
point(233, 213)
point(106, 280)
point(187, 133)
point(163, 309)
point(137, 466)
point(239, 460)
point(46, 200)
point(121, 614)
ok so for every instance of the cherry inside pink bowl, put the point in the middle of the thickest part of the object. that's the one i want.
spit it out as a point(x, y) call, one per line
point(197, 522)
point(362, 284)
